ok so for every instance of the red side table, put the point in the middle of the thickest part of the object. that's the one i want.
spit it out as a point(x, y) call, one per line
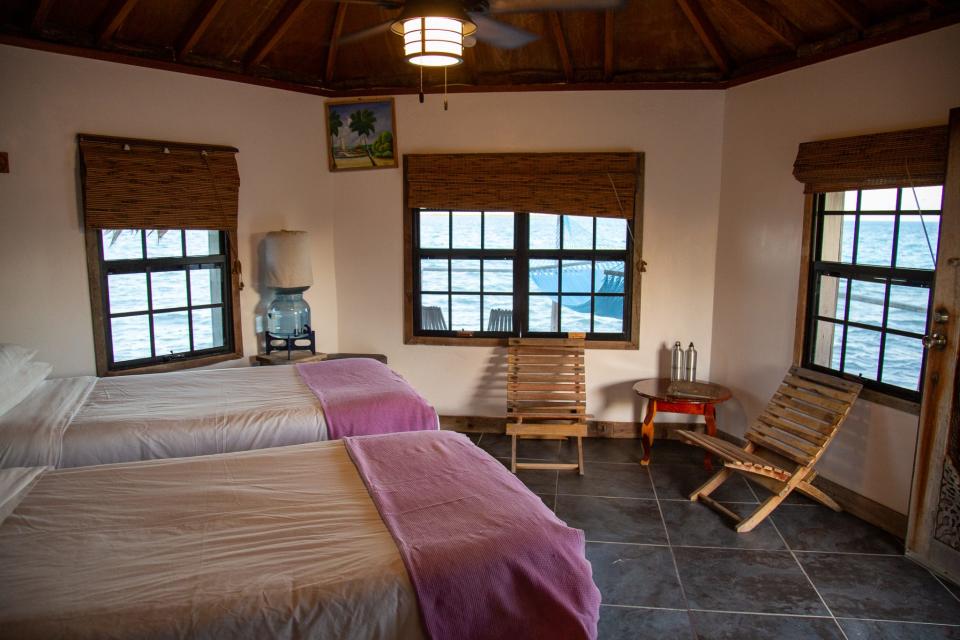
point(655, 390)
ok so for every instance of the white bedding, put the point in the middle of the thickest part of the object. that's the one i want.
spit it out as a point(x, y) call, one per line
point(75, 422)
point(280, 543)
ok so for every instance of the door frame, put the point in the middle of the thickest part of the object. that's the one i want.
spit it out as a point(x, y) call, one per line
point(940, 384)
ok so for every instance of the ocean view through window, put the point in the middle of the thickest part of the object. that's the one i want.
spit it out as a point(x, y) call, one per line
point(166, 295)
point(871, 277)
point(494, 274)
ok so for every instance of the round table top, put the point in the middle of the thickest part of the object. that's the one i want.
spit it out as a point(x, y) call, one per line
point(656, 389)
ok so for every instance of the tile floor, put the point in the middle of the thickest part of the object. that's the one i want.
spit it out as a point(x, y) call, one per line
point(668, 568)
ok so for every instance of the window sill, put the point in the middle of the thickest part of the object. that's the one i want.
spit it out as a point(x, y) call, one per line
point(502, 342)
point(876, 397)
point(176, 365)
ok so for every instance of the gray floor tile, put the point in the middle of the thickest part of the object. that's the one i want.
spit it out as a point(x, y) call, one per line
point(667, 451)
point(746, 581)
point(822, 529)
point(675, 481)
point(953, 588)
point(873, 630)
point(694, 524)
point(739, 626)
point(880, 587)
point(610, 480)
point(549, 500)
point(474, 437)
point(625, 450)
point(622, 623)
point(499, 445)
point(537, 480)
point(635, 575)
point(613, 519)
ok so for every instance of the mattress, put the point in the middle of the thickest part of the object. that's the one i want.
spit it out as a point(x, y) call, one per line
point(74, 422)
point(281, 543)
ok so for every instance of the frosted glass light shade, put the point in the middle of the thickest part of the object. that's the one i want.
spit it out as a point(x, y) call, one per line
point(287, 260)
point(433, 42)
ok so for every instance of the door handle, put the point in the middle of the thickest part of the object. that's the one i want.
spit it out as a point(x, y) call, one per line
point(934, 341)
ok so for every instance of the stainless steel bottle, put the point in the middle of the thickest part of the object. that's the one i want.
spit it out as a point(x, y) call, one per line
point(691, 363)
point(676, 362)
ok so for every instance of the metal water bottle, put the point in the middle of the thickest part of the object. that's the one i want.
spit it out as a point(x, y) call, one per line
point(676, 362)
point(691, 363)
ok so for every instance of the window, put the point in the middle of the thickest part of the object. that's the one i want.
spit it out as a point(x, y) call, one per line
point(493, 274)
point(160, 224)
point(522, 244)
point(870, 278)
point(165, 295)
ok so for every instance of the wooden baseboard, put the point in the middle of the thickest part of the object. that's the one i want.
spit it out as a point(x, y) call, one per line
point(879, 515)
point(595, 428)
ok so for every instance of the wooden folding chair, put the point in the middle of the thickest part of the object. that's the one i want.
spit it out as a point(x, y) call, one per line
point(797, 425)
point(546, 395)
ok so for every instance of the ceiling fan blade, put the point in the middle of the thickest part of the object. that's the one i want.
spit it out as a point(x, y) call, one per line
point(518, 6)
point(500, 34)
point(363, 34)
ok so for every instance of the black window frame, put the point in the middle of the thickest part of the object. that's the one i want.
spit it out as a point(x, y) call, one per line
point(521, 254)
point(223, 260)
point(891, 275)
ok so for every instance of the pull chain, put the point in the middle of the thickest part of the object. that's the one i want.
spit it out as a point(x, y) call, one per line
point(444, 88)
point(421, 85)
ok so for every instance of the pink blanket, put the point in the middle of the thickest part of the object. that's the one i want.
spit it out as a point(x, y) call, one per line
point(486, 557)
point(361, 396)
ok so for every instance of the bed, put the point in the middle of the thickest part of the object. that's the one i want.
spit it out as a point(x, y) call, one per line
point(407, 535)
point(73, 422)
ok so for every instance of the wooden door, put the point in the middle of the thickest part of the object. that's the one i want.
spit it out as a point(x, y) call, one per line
point(933, 537)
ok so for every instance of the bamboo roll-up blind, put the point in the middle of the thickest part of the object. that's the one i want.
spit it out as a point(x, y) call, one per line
point(144, 184)
point(590, 184)
point(916, 157)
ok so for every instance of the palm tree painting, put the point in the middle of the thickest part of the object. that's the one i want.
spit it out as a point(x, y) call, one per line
point(361, 134)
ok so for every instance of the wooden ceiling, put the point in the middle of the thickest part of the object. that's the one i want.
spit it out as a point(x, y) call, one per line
point(299, 44)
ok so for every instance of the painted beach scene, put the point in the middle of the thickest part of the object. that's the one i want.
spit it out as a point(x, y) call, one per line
point(361, 134)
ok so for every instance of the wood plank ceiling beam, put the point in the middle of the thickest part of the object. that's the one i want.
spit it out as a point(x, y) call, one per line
point(608, 45)
point(40, 15)
point(852, 11)
point(113, 19)
point(334, 41)
point(707, 34)
point(199, 23)
point(269, 38)
point(773, 22)
point(553, 17)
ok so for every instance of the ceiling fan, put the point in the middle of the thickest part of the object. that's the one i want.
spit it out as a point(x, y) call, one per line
point(436, 31)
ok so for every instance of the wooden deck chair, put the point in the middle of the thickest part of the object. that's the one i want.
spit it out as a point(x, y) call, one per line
point(500, 320)
point(432, 319)
point(797, 425)
point(546, 395)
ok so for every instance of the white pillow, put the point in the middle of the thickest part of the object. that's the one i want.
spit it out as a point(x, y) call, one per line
point(14, 389)
point(12, 357)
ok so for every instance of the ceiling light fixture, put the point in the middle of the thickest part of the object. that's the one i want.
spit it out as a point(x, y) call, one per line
point(433, 32)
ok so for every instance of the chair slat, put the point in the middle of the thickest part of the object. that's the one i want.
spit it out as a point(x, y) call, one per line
point(800, 383)
point(829, 418)
point(800, 418)
point(830, 404)
point(777, 447)
point(786, 438)
point(815, 438)
point(827, 380)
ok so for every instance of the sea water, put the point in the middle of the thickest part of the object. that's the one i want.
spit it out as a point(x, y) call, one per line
point(902, 356)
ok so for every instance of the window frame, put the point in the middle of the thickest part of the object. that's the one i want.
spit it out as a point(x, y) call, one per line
point(811, 267)
point(634, 265)
point(97, 278)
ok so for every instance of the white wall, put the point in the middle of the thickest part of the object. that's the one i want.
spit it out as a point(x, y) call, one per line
point(680, 133)
point(48, 99)
point(906, 84)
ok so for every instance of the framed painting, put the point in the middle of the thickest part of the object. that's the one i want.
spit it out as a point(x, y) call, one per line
point(361, 134)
